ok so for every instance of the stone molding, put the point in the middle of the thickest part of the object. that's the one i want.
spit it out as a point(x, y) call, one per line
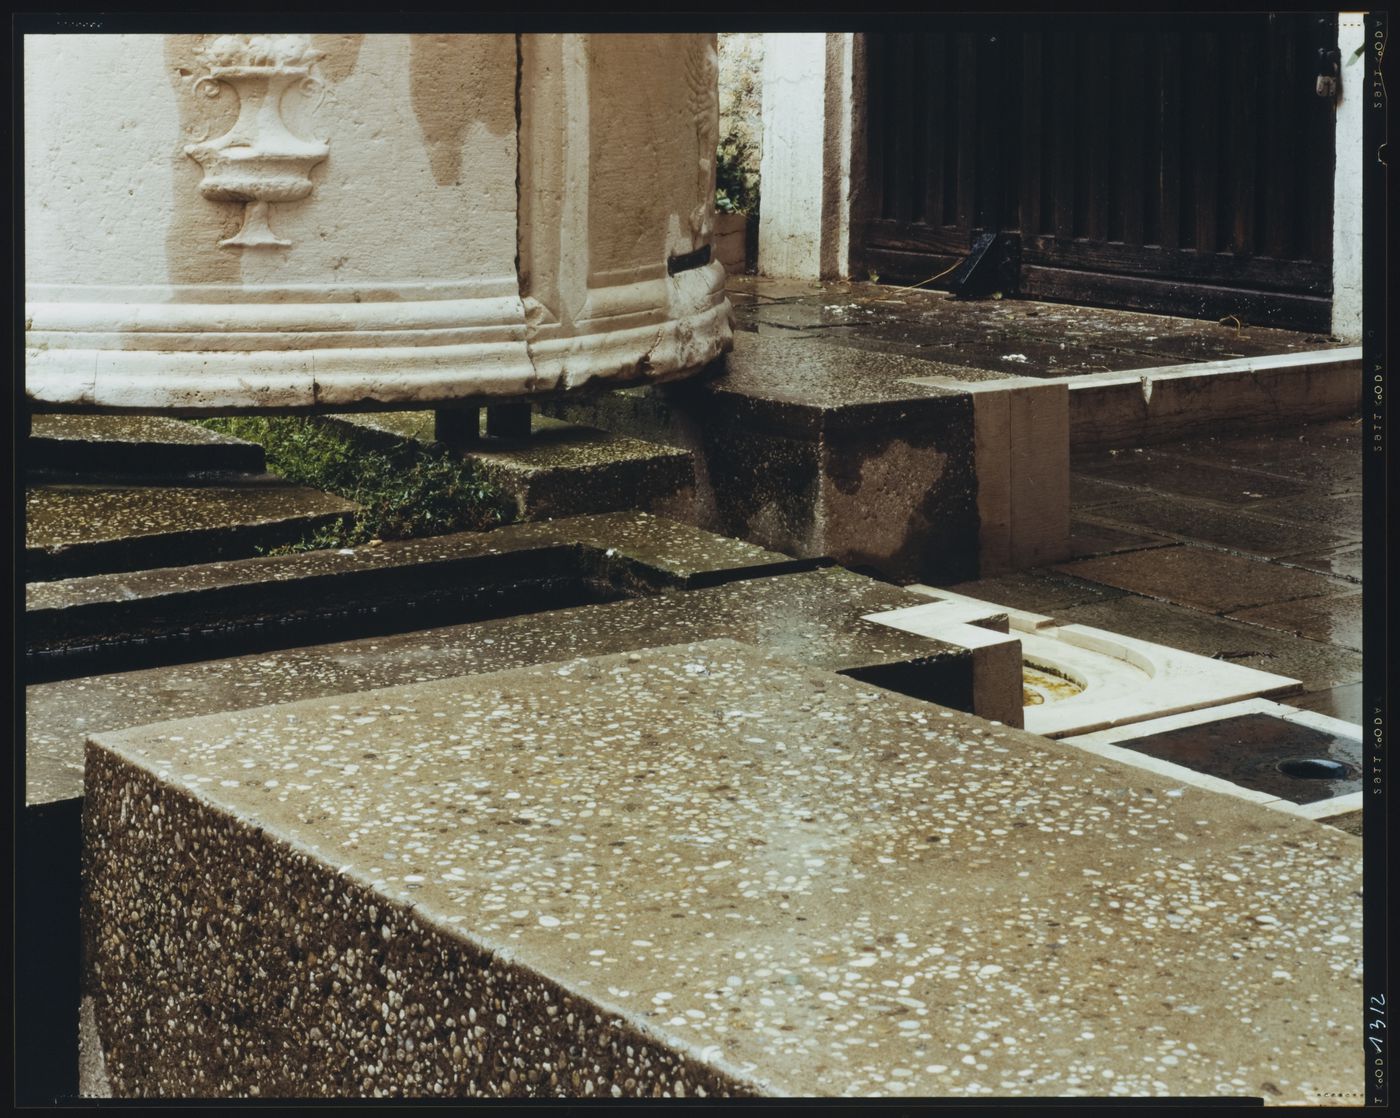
point(485, 274)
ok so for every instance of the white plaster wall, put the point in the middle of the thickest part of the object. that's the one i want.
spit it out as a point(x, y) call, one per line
point(794, 128)
point(1346, 221)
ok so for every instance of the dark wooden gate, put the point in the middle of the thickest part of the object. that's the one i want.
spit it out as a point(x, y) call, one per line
point(1180, 164)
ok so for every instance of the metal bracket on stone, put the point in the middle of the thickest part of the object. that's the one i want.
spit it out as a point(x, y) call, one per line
point(688, 260)
point(994, 264)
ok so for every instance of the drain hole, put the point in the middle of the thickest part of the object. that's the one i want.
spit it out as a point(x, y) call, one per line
point(1314, 768)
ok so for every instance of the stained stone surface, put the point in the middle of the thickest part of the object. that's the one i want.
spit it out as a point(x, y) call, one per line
point(73, 530)
point(814, 618)
point(820, 450)
point(1225, 527)
point(991, 337)
point(1333, 620)
point(1189, 478)
point(697, 868)
point(137, 444)
point(1203, 579)
point(562, 469)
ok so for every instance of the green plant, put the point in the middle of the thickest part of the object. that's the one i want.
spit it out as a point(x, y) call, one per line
point(402, 493)
point(736, 186)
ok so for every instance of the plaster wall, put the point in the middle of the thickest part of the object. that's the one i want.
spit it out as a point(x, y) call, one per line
point(1346, 221)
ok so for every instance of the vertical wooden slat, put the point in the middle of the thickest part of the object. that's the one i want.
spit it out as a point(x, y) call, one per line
point(1277, 235)
point(901, 127)
point(932, 87)
point(1133, 111)
point(1169, 153)
point(875, 123)
point(918, 128)
point(1205, 74)
point(1244, 94)
point(1095, 137)
point(968, 111)
point(1032, 110)
point(1061, 65)
point(988, 74)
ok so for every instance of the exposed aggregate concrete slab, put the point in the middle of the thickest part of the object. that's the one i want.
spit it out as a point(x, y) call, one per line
point(701, 867)
point(813, 617)
point(76, 530)
point(134, 444)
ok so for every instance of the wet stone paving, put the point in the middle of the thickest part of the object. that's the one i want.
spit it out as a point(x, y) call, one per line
point(1243, 548)
point(702, 869)
point(985, 338)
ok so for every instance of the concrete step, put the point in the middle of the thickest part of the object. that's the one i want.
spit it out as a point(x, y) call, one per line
point(817, 449)
point(135, 445)
point(82, 625)
point(696, 870)
point(561, 469)
point(75, 529)
point(814, 617)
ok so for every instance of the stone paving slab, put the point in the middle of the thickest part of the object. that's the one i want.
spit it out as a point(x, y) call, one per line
point(1020, 336)
point(1326, 456)
point(1228, 528)
point(134, 444)
point(1159, 472)
point(1344, 562)
point(631, 551)
point(1334, 620)
point(698, 868)
point(812, 617)
point(562, 469)
point(1039, 590)
point(1318, 666)
point(76, 530)
point(1203, 579)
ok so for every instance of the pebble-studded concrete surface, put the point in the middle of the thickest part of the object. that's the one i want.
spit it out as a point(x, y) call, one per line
point(679, 550)
point(813, 617)
point(699, 867)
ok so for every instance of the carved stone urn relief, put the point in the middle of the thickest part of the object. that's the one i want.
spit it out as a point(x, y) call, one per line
point(259, 160)
point(456, 219)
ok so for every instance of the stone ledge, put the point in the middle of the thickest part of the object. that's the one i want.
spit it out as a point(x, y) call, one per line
point(813, 617)
point(793, 885)
point(115, 445)
point(80, 530)
point(619, 552)
point(562, 469)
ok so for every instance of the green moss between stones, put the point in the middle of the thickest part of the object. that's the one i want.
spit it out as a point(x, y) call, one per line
point(402, 493)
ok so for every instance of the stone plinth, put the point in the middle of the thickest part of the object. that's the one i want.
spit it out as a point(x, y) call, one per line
point(694, 869)
point(290, 222)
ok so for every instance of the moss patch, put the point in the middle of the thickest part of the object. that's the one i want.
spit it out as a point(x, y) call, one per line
point(404, 492)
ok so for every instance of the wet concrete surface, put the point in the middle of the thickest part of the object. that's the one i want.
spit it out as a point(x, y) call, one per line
point(1164, 473)
point(1261, 564)
point(813, 617)
point(1199, 578)
point(998, 336)
point(1228, 528)
point(562, 469)
point(1328, 620)
point(83, 529)
point(699, 867)
point(134, 444)
point(1344, 562)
